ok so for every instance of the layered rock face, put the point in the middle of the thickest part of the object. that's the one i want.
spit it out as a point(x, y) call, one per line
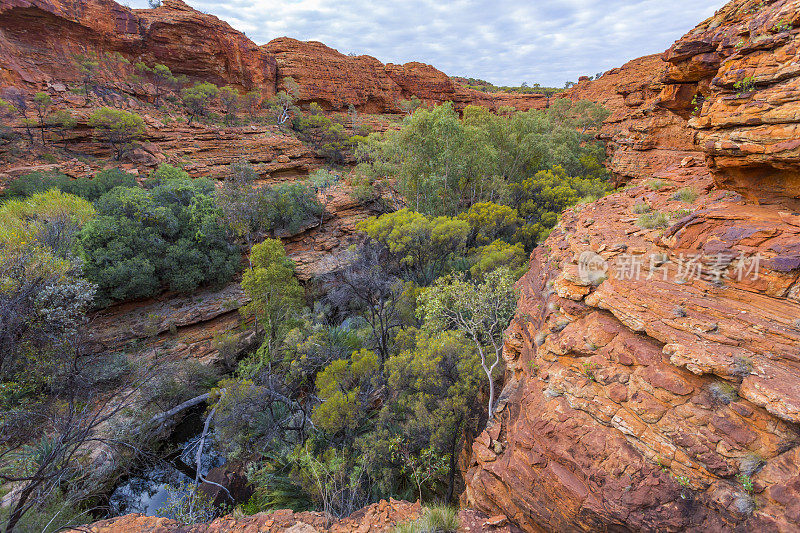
point(39, 38)
point(737, 76)
point(335, 81)
point(642, 137)
point(664, 394)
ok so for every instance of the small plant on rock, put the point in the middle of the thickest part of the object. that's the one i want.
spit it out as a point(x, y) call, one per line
point(653, 221)
point(656, 184)
point(589, 370)
point(640, 208)
point(746, 481)
point(687, 195)
point(745, 85)
point(722, 392)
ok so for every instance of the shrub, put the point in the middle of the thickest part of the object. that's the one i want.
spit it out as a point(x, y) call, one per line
point(438, 519)
point(656, 184)
point(88, 188)
point(686, 194)
point(722, 392)
point(653, 220)
point(197, 99)
point(641, 208)
point(147, 239)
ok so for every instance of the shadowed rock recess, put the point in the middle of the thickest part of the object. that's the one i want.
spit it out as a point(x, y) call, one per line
point(661, 396)
point(649, 400)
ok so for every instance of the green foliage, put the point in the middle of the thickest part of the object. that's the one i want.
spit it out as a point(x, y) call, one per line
point(481, 311)
point(745, 85)
point(327, 136)
point(687, 194)
point(88, 188)
point(229, 98)
point(276, 298)
point(117, 127)
point(444, 164)
point(437, 519)
point(640, 208)
point(198, 98)
point(653, 220)
point(422, 246)
point(340, 386)
point(746, 481)
point(146, 239)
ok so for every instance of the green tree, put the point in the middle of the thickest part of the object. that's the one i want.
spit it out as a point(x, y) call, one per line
point(162, 78)
point(282, 104)
point(423, 247)
point(276, 296)
point(16, 101)
point(42, 103)
point(481, 311)
point(323, 181)
point(229, 98)
point(198, 98)
point(435, 384)
point(89, 69)
point(62, 121)
point(117, 127)
point(251, 103)
point(343, 387)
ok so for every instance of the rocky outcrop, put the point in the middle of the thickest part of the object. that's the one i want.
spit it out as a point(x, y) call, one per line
point(39, 39)
point(653, 371)
point(737, 76)
point(377, 518)
point(641, 136)
point(336, 81)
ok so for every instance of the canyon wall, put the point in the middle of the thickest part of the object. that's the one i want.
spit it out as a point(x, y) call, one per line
point(39, 40)
point(653, 367)
point(336, 80)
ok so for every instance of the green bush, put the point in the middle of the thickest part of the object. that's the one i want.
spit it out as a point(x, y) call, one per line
point(89, 188)
point(144, 240)
point(653, 220)
point(687, 194)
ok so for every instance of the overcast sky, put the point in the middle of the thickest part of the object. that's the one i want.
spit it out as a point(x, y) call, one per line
point(505, 42)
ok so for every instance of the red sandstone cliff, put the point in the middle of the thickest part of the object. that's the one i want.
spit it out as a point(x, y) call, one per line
point(336, 80)
point(39, 38)
point(649, 401)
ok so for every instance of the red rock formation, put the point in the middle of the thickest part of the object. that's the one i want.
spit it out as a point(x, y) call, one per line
point(336, 81)
point(39, 38)
point(379, 517)
point(641, 136)
point(742, 64)
point(650, 400)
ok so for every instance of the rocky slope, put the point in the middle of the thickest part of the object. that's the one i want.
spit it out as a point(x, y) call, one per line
point(665, 394)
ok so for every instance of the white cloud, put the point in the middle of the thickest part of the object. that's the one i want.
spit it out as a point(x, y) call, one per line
point(502, 41)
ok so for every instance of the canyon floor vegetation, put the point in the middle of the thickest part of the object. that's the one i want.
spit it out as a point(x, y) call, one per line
point(364, 383)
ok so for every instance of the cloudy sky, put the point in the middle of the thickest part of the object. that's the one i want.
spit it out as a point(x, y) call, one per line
point(503, 41)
